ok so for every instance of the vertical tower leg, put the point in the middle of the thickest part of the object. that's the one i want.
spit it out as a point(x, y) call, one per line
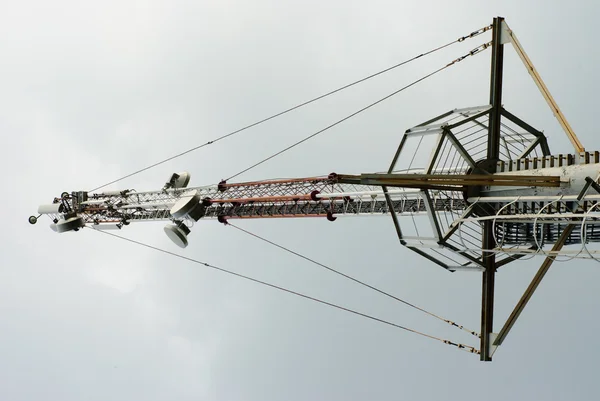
point(493, 154)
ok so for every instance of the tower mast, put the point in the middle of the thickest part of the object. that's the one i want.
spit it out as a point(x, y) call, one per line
point(493, 156)
point(482, 180)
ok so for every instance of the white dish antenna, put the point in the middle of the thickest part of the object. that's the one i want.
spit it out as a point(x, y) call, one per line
point(177, 233)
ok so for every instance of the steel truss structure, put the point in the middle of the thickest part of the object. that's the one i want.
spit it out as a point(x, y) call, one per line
point(477, 188)
point(456, 143)
point(308, 197)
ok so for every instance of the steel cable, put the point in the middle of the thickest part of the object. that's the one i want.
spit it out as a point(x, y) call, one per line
point(355, 280)
point(299, 294)
point(471, 35)
point(471, 53)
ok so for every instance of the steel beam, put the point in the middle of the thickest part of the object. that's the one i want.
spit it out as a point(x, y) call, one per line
point(533, 286)
point(431, 181)
point(493, 154)
point(510, 35)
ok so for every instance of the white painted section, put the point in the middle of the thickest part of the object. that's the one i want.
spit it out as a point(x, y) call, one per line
point(53, 208)
point(409, 192)
point(572, 181)
point(105, 227)
point(541, 198)
point(528, 217)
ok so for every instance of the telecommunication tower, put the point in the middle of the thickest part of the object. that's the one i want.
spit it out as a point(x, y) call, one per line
point(485, 187)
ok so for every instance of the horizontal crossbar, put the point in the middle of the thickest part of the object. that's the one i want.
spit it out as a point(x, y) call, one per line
point(446, 181)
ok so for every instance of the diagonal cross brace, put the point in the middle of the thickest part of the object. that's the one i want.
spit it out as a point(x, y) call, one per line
point(533, 285)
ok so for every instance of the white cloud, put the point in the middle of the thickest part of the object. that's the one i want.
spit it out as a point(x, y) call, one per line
point(92, 91)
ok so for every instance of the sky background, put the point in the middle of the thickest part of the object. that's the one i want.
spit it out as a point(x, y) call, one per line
point(91, 91)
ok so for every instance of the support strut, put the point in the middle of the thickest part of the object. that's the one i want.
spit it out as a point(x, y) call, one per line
point(533, 286)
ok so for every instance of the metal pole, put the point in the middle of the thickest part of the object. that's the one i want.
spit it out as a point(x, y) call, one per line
point(493, 154)
point(577, 145)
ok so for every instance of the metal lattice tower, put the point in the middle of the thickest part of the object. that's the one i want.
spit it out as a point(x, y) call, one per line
point(472, 189)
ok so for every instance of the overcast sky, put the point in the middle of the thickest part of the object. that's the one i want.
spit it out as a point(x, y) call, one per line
point(90, 91)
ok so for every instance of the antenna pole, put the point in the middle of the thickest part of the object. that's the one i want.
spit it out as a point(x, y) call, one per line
point(493, 155)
